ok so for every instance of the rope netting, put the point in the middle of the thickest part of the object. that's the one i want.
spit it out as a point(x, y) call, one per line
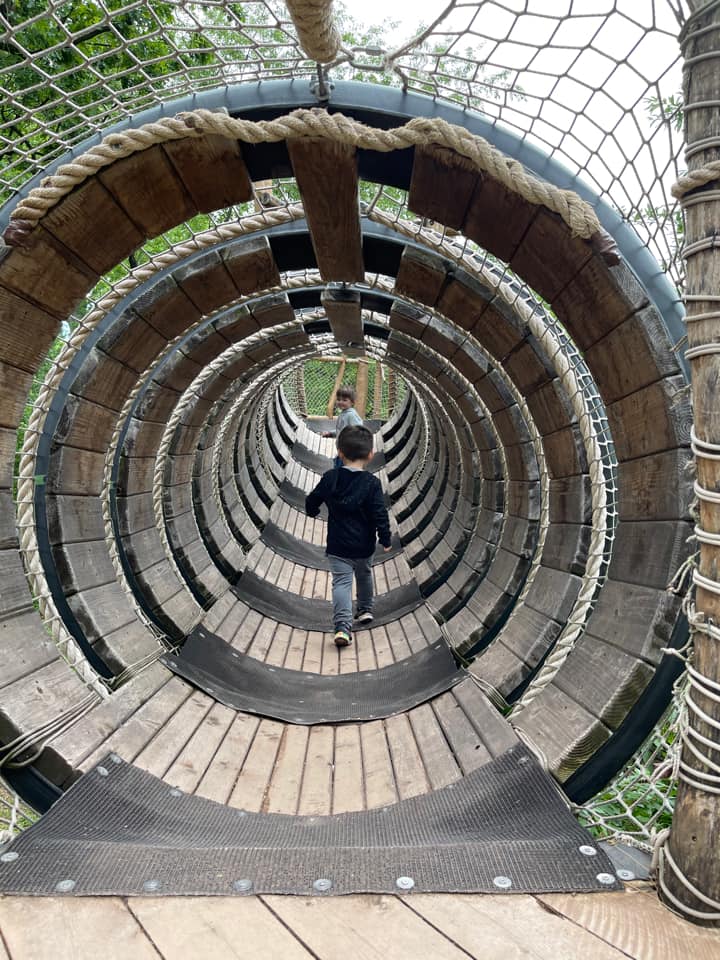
point(594, 83)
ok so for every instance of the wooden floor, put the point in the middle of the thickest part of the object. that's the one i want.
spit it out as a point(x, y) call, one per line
point(609, 926)
point(176, 732)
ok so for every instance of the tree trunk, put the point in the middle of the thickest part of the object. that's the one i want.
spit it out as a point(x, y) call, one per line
point(694, 842)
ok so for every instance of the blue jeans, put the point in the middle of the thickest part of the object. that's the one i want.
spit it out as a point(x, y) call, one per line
point(342, 570)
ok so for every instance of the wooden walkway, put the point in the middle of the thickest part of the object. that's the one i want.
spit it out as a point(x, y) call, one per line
point(611, 926)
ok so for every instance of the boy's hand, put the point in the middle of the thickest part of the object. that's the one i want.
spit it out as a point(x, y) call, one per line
point(326, 434)
point(387, 549)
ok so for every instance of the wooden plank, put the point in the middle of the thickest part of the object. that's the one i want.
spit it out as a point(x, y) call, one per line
point(497, 218)
point(377, 765)
point(511, 927)
point(466, 744)
point(252, 266)
point(219, 778)
point(442, 185)
point(194, 759)
point(139, 729)
point(344, 313)
point(421, 276)
point(162, 750)
point(348, 780)
point(333, 215)
point(219, 928)
point(317, 785)
point(62, 928)
point(212, 169)
point(636, 924)
point(93, 226)
point(410, 775)
point(147, 187)
point(359, 926)
point(440, 765)
point(250, 788)
point(45, 272)
point(287, 776)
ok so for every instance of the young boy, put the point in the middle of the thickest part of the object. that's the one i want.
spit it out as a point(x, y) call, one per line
point(348, 416)
point(357, 517)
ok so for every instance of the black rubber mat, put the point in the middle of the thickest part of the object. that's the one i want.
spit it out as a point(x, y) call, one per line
point(309, 554)
point(319, 463)
point(246, 684)
point(295, 497)
point(312, 614)
point(121, 832)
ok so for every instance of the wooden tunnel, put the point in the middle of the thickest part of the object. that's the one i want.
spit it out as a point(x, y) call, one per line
point(170, 454)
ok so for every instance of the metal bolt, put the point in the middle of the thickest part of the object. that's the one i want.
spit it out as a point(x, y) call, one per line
point(242, 886)
point(504, 883)
point(404, 883)
point(115, 758)
point(587, 850)
point(9, 857)
point(176, 792)
point(103, 771)
point(322, 885)
point(625, 874)
point(150, 886)
point(65, 886)
point(607, 878)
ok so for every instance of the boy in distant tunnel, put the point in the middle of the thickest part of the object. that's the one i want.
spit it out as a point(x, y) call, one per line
point(348, 416)
point(357, 518)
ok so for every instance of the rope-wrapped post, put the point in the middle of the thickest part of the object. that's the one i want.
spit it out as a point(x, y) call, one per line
point(316, 30)
point(300, 390)
point(689, 859)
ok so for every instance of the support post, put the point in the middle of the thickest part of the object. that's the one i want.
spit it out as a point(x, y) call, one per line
point(338, 383)
point(361, 388)
point(689, 864)
point(377, 391)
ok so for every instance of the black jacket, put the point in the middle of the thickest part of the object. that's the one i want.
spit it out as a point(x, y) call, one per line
point(356, 511)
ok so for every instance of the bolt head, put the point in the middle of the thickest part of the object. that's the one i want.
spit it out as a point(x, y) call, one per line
point(404, 883)
point(587, 850)
point(606, 878)
point(502, 883)
point(9, 857)
point(322, 885)
point(103, 771)
point(64, 886)
point(242, 886)
point(151, 886)
point(625, 874)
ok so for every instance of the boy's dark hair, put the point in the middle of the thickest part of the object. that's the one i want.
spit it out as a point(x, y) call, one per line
point(345, 392)
point(355, 443)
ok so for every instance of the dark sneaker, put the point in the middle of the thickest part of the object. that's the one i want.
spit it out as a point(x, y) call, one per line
point(365, 616)
point(342, 638)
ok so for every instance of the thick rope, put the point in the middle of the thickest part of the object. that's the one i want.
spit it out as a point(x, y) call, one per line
point(316, 28)
point(420, 131)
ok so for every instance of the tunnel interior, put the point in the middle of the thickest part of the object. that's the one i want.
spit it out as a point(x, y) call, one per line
point(535, 469)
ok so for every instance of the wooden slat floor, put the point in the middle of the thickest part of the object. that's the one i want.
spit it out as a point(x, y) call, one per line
point(197, 744)
point(610, 926)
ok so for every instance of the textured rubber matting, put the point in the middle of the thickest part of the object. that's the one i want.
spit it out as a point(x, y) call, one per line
point(120, 831)
point(295, 497)
point(319, 463)
point(313, 614)
point(246, 684)
point(309, 554)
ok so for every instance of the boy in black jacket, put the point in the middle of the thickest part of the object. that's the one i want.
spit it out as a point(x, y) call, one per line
point(357, 517)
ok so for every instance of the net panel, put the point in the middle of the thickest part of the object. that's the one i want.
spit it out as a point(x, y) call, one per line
point(597, 84)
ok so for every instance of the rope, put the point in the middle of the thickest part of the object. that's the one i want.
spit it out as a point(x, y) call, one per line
point(337, 128)
point(316, 28)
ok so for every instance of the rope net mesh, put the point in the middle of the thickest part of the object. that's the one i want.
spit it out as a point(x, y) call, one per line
point(596, 84)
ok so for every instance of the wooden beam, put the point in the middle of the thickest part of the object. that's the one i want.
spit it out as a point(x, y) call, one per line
point(338, 383)
point(344, 312)
point(377, 390)
point(361, 388)
point(326, 175)
point(695, 836)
